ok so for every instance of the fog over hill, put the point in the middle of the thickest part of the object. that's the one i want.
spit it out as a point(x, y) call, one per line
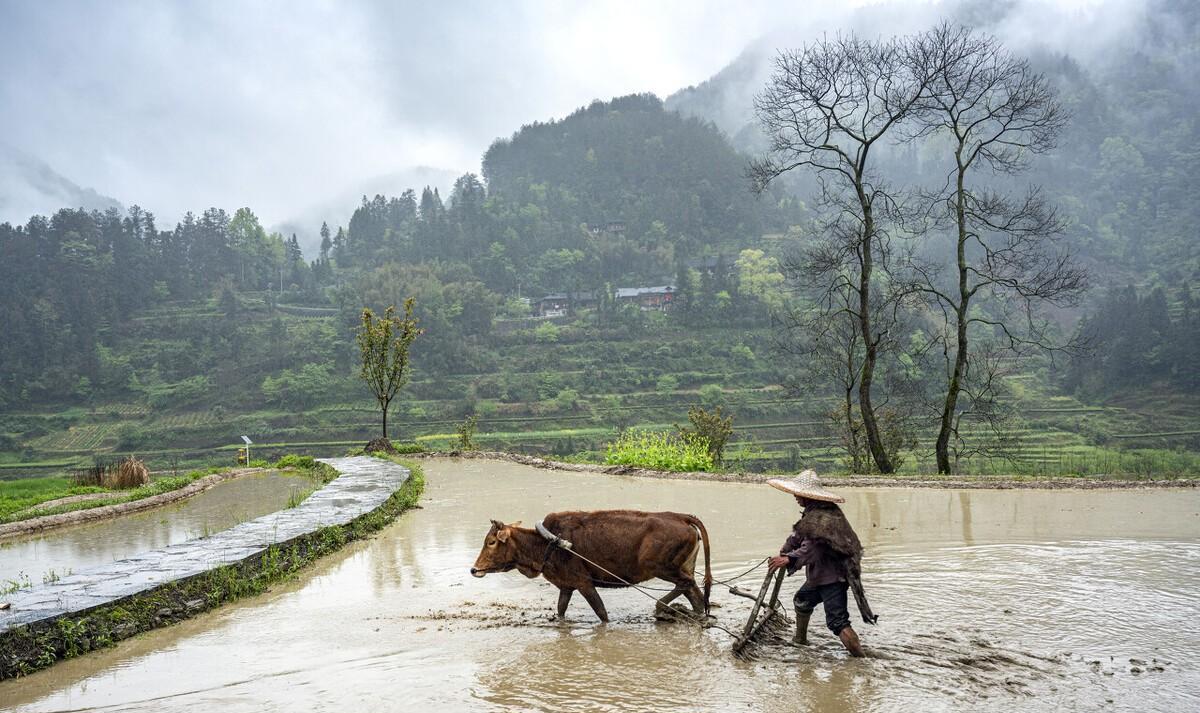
point(288, 107)
point(1089, 33)
point(29, 186)
point(177, 107)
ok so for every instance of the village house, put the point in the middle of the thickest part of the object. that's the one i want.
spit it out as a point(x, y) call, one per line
point(658, 298)
point(615, 227)
point(648, 298)
point(559, 303)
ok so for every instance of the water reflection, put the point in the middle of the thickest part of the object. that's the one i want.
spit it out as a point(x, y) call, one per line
point(990, 600)
point(219, 508)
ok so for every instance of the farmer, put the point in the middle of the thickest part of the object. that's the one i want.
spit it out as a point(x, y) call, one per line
point(825, 544)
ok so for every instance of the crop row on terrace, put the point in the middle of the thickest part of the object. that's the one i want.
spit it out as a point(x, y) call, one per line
point(203, 429)
point(84, 437)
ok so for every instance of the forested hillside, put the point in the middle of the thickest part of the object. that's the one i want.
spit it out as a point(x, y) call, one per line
point(122, 335)
point(1121, 176)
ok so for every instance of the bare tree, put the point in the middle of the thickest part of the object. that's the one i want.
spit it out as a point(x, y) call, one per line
point(824, 109)
point(993, 112)
point(825, 334)
point(821, 327)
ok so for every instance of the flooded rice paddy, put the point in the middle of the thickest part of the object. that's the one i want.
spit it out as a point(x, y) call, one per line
point(77, 547)
point(989, 600)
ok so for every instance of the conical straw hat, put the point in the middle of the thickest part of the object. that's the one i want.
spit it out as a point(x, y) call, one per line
point(807, 485)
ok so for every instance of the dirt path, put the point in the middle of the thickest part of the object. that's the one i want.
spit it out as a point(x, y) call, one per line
point(985, 482)
point(47, 522)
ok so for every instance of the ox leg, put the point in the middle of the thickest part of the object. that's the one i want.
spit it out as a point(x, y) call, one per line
point(695, 597)
point(662, 608)
point(593, 598)
point(564, 598)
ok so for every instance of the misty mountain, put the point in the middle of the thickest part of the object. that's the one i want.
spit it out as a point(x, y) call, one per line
point(1124, 168)
point(727, 98)
point(337, 208)
point(30, 186)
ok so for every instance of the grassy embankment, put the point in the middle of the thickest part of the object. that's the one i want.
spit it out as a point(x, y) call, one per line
point(567, 398)
point(19, 499)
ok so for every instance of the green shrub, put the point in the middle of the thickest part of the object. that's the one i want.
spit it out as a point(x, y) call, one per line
point(666, 384)
point(713, 427)
point(546, 333)
point(567, 399)
point(711, 394)
point(293, 460)
point(660, 451)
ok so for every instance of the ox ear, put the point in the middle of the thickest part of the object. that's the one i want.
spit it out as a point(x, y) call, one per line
point(502, 534)
point(515, 524)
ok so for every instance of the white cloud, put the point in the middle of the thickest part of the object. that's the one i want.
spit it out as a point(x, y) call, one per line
point(281, 105)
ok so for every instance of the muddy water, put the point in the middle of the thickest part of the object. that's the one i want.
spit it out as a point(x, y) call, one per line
point(989, 600)
point(78, 547)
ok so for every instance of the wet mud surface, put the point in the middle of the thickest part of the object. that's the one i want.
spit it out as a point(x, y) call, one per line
point(989, 600)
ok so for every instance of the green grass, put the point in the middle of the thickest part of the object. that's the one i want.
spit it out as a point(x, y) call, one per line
point(660, 451)
point(17, 496)
point(27, 465)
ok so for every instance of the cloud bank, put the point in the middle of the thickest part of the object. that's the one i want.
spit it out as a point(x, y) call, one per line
point(290, 107)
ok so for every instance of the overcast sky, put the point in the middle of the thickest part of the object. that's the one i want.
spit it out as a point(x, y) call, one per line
point(282, 106)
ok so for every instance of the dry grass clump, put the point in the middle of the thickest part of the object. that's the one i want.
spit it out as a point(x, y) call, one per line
point(129, 473)
point(121, 475)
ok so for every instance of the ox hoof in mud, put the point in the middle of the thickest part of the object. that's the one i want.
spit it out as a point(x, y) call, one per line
point(587, 551)
point(678, 613)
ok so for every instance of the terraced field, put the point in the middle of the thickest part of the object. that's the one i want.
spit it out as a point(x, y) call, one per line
point(78, 439)
point(570, 399)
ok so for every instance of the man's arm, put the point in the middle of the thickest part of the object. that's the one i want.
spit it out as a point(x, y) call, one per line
point(804, 554)
point(798, 555)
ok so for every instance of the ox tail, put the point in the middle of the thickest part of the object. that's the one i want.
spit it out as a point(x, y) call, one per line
point(708, 580)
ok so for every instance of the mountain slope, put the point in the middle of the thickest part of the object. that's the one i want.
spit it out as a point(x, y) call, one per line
point(630, 160)
point(1123, 172)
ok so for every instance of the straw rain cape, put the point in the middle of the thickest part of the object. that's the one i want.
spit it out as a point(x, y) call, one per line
point(826, 523)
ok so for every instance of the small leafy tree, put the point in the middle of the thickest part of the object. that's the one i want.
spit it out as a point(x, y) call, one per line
point(466, 433)
point(713, 427)
point(383, 343)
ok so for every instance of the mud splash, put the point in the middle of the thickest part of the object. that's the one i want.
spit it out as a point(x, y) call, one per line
point(989, 600)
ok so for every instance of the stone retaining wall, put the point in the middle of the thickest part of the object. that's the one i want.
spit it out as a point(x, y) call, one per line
point(98, 606)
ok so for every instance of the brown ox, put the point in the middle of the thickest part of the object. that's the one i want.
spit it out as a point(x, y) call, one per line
point(634, 546)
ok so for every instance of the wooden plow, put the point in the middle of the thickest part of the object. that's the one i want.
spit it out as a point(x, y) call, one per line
point(767, 619)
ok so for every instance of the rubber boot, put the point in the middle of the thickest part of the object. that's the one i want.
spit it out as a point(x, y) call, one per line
point(801, 637)
point(850, 641)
